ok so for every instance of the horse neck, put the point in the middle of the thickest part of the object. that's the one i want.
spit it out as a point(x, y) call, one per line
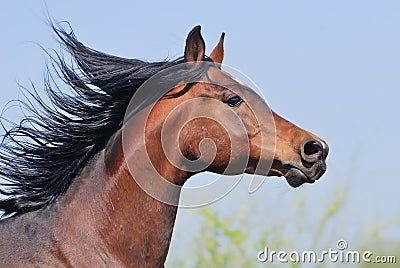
point(128, 224)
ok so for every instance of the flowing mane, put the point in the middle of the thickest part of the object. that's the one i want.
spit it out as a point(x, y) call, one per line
point(41, 156)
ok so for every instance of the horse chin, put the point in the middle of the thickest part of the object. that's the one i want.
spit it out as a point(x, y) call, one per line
point(295, 177)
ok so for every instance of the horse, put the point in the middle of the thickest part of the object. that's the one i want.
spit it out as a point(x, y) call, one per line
point(88, 179)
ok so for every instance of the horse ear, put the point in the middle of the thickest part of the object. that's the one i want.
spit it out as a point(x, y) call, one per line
point(217, 55)
point(195, 46)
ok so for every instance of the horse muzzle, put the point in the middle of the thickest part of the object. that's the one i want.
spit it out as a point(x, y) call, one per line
point(312, 164)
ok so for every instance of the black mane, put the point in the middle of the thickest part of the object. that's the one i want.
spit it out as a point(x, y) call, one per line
point(41, 156)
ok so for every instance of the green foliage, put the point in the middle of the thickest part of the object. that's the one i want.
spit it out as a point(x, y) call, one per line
point(232, 240)
point(218, 244)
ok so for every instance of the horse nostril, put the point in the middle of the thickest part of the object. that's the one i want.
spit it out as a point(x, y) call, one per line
point(312, 147)
point(311, 151)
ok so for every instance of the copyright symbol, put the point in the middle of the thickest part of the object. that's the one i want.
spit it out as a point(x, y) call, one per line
point(341, 244)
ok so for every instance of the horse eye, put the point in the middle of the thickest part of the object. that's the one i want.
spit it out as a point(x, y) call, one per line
point(234, 101)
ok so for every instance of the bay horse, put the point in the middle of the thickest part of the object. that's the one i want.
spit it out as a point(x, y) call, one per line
point(78, 189)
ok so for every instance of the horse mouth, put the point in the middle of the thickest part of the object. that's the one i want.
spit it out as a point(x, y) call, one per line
point(295, 177)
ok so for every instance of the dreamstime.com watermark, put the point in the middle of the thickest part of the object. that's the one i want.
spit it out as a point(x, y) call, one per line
point(340, 254)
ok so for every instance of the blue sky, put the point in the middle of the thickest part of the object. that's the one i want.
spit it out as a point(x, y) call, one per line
point(330, 67)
